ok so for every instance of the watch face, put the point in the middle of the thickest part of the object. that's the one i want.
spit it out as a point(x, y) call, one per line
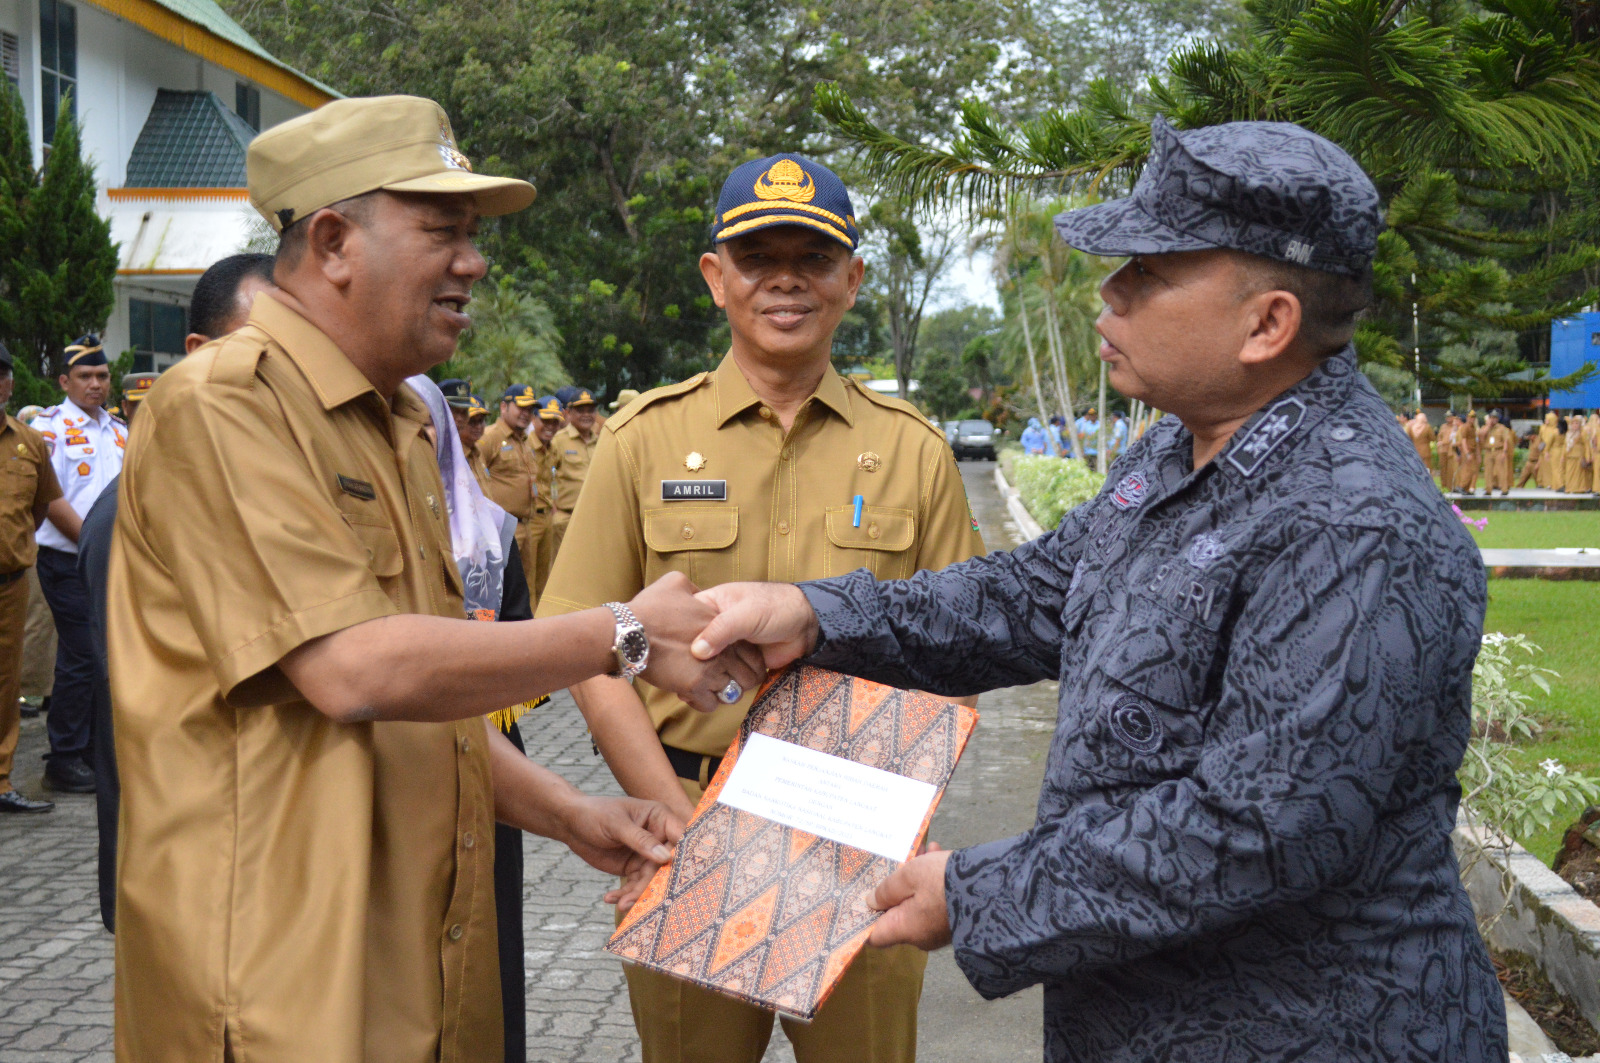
point(634, 645)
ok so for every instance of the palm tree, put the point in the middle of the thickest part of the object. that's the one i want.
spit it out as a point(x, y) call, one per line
point(1480, 125)
point(513, 340)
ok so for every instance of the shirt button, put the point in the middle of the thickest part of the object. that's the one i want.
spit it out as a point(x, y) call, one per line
point(784, 454)
point(872, 531)
point(783, 527)
point(466, 745)
point(423, 550)
point(688, 531)
point(468, 841)
point(766, 414)
point(456, 932)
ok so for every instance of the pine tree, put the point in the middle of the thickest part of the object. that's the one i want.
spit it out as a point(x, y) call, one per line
point(58, 274)
point(1480, 125)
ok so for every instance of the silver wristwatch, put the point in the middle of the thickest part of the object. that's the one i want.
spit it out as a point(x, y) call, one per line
point(631, 646)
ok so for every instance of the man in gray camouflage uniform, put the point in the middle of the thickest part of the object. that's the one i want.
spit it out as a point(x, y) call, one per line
point(1263, 629)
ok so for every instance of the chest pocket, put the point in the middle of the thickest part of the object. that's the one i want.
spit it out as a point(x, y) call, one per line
point(379, 540)
point(1145, 716)
point(882, 543)
point(699, 541)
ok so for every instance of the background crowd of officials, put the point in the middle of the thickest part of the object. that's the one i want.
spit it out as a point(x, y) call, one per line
point(1465, 453)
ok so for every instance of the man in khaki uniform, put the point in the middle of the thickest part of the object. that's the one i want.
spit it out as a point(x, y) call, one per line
point(27, 487)
point(1422, 436)
point(1446, 441)
point(1576, 465)
point(1468, 455)
point(509, 459)
point(1499, 447)
point(571, 450)
point(469, 415)
point(549, 418)
point(309, 784)
point(770, 467)
point(1533, 467)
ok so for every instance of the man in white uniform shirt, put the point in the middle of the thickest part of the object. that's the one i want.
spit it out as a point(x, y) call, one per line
point(86, 445)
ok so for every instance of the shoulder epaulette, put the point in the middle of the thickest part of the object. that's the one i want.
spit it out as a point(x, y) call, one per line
point(890, 402)
point(234, 359)
point(654, 395)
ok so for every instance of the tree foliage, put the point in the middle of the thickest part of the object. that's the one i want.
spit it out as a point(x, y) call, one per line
point(513, 340)
point(627, 114)
point(1480, 125)
point(57, 262)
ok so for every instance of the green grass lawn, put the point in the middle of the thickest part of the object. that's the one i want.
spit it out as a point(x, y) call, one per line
point(1536, 531)
point(1563, 618)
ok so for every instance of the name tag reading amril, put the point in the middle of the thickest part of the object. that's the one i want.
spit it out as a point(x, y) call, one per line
point(694, 490)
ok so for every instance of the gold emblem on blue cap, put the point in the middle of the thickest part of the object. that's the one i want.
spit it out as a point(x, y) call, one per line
point(786, 180)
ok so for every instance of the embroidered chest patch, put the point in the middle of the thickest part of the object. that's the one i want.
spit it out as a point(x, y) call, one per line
point(1136, 726)
point(1204, 550)
point(1130, 491)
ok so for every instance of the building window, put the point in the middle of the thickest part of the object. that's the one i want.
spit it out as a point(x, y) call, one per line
point(155, 328)
point(247, 104)
point(58, 50)
point(10, 65)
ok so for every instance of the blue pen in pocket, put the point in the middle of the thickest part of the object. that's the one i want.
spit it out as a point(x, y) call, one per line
point(856, 521)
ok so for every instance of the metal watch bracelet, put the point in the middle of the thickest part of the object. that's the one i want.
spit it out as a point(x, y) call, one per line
point(631, 645)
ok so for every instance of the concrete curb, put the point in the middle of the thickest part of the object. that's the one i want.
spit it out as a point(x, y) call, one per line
point(1546, 918)
point(1029, 527)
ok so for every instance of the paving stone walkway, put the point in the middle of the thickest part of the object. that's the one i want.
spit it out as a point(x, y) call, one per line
point(56, 958)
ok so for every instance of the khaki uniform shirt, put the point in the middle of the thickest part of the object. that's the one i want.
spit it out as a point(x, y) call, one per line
point(788, 513)
point(480, 472)
point(570, 467)
point(509, 458)
point(26, 481)
point(321, 891)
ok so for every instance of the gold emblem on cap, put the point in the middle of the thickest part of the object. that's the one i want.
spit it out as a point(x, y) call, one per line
point(867, 461)
point(786, 180)
point(695, 461)
point(454, 159)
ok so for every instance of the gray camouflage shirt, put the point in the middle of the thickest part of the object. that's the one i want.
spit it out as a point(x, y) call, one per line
point(1242, 851)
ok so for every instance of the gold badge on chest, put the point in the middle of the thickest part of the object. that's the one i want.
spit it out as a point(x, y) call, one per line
point(695, 462)
point(868, 461)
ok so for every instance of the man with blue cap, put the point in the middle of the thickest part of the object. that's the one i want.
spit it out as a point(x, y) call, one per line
point(86, 447)
point(1263, 631)
point(773, 466)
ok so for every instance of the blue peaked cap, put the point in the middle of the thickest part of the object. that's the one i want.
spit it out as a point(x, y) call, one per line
point(785, 190)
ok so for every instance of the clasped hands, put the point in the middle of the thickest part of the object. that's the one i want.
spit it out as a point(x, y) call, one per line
point(702, 640)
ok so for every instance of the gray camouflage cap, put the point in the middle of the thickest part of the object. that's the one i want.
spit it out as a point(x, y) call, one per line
point(1268, 188)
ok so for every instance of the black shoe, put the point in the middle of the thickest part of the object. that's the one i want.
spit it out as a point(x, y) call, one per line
point(27, 710)
point(69, 777)
point(13, 801)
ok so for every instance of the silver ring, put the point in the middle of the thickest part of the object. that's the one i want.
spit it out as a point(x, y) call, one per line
point(730, 693)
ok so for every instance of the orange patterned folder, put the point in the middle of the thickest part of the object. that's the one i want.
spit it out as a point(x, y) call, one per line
point(769, 913)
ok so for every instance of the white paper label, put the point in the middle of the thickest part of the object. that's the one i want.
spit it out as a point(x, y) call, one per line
point(828, 796)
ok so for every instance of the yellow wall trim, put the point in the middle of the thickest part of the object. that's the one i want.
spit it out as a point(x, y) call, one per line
point(197, 40)
point(172, 195)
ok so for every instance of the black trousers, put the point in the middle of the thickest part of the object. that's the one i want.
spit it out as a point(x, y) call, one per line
point(72, 702)
point(508, 913)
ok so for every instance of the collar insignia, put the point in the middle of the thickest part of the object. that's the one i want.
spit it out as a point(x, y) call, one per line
point(1276, 425)
point(786, 180)
point(1130, 491)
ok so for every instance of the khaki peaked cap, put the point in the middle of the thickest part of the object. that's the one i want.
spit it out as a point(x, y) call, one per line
point(350, 147)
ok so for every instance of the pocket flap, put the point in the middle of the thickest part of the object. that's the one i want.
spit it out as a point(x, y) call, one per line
point(380, 541)
point(1163, 657)
point(683, 527)
point(881, 528)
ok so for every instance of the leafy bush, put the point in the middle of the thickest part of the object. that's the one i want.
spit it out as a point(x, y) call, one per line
point(1049, 486)
point(1505, 797)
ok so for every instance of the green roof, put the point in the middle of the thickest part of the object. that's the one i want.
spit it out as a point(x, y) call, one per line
point(190, 140)
point(208, 15)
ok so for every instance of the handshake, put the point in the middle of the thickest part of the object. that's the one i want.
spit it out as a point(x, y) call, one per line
point(711, 647)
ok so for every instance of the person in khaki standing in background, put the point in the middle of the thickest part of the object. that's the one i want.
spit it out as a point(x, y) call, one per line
point(512, 468)
point(1499, 450)
point(1422, 436)
point(549, 417)
point(570, 452)
point(1446, 442)
point(1552, 465)
point(27, 487)
point(1577, 465)
point(772, 467)
point(1533, 468)
point(310, 784)
point(1468, 454)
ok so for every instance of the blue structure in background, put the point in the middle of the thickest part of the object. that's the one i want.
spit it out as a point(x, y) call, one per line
point(1574, 341)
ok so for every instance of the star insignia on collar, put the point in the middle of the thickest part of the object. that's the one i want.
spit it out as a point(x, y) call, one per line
point(695, 462)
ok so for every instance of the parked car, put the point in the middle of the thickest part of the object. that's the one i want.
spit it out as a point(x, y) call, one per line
point(972, 439)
